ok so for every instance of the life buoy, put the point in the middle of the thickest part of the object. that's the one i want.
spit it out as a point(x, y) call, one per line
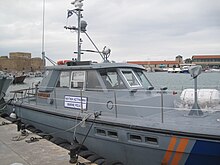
point(65, 61)
point(62, 62)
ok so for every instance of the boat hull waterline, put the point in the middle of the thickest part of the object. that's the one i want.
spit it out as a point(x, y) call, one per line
point(172, 146)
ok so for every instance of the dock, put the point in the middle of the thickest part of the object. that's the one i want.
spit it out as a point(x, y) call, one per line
point(15, 150)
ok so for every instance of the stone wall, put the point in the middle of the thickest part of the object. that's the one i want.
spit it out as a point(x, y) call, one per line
point(21, 62)
point(16, 55)
point(36, 64)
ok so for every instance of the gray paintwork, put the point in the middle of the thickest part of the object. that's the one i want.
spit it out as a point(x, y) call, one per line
point(5, 81)
point(130, 127)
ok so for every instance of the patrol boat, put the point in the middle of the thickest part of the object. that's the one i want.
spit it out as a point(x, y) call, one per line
point(5, 81)
point(114, 110)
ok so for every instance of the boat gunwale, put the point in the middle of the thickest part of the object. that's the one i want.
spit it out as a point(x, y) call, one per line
point(133, 127)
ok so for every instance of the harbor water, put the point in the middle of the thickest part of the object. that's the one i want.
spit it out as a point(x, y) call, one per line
point(180, 81)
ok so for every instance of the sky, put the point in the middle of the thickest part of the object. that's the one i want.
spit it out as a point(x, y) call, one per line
point(133, 30)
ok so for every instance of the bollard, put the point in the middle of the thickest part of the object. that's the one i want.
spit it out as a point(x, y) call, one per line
point(73, 154)
point(23, 131)
point(18, 124)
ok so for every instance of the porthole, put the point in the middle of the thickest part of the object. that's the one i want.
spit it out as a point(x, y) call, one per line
point(110, 105)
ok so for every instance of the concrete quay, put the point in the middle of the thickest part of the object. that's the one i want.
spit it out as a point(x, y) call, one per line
point(14, 150)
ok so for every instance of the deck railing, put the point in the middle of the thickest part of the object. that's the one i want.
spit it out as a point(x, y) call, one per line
point(114, 104)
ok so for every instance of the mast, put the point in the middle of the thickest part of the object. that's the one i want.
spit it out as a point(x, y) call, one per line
point(43, 35)
point(81, 28)
point(79, 31)
point(78, 4)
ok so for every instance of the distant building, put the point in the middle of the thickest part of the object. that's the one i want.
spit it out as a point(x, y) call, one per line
point(20, 62)
point(207, 61)
point(19, 55)
point(154, 65)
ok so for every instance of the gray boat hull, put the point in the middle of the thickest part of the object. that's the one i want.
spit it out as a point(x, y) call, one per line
point(125, 142)
point(4, 84)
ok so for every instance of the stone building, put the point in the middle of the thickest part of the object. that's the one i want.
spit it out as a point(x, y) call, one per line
point(20, 62)
point(19, 55)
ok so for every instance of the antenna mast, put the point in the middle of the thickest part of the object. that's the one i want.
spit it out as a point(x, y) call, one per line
point(78, 4)
point(43, 36)
point(82, 29)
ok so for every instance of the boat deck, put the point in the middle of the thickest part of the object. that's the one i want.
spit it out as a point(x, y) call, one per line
point(172, 119)
point(19, 152)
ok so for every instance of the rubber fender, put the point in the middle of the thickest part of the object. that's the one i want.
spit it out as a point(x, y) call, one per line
point(47, 137)
point(77, 146)
point(27, 126)
point(100, 161)
point(65, 145)
point(94, 157)
point(37, 131)
point(58, 140)
point(107, 162)
point(31, 128)
point(85, 154)
point(4, 115)
point(11, 119)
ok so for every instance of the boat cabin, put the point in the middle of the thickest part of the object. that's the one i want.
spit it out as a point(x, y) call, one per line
point(95, 86)
point(95, 77)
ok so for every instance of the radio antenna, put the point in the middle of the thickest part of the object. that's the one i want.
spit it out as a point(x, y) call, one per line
point(43, 36)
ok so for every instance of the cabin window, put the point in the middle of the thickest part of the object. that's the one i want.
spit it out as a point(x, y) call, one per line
point(142, 78)
point(112, 80)
point(131, 78)
point(135, 138)
point(92, 82)
point(100, 132)
point(64, 80)
point(47, 72)
point(50, 81)
point(151, 140)
point(77, 79)
point(112, 134)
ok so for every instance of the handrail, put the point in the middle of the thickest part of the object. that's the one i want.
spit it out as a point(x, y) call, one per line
point(21, 90)
point(116, 104)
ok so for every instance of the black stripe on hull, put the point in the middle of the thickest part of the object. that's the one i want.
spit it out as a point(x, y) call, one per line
point(127, 126)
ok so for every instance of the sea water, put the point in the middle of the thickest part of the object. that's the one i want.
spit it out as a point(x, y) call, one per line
point(180, 81)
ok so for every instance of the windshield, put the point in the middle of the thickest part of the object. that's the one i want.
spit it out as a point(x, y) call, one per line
point(131, 78)
point(112, 80)
point(142, 78)
point(134, 78)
